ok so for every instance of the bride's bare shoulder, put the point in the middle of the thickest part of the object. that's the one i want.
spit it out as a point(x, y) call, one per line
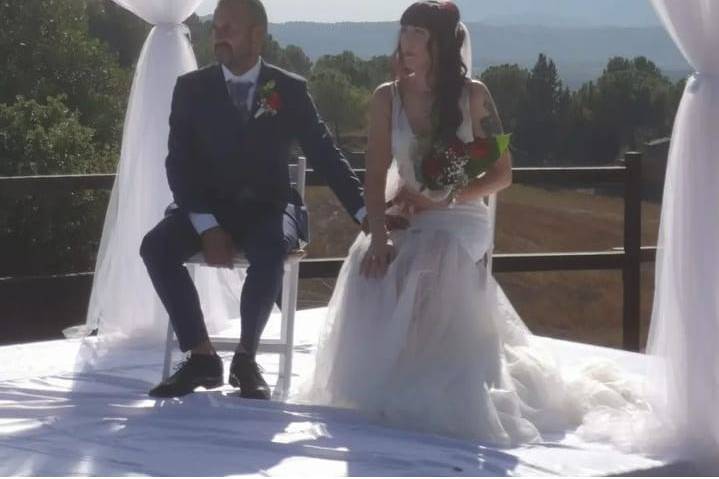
point(382, 99)
point(384, 91)
point(478, 90)
point(480, 100)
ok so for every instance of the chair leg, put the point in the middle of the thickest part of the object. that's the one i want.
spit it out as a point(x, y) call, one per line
point(289, 307)
point(280, 391)
point(169, 344)
point(290, 333)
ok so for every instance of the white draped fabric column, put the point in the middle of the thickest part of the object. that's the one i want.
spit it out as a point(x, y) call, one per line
point(123, 301)
point(684, 333)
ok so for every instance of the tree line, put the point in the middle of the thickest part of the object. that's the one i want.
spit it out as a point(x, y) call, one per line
point(67, 68)
point(631, 103)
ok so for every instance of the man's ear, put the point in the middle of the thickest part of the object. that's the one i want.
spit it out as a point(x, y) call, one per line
point(259, 37)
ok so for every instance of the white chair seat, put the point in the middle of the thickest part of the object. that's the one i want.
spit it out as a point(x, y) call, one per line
point(240, 261)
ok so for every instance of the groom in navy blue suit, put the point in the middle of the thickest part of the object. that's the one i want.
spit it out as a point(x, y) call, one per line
point(232, 126)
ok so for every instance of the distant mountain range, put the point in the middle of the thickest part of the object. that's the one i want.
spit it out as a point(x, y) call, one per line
point(578, 13)
point(580, 52)
point(617, 13)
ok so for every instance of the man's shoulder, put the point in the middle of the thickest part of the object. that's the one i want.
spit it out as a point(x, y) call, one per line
point(199, 75)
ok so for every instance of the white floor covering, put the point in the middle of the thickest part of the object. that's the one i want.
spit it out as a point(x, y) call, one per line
point(54, 422)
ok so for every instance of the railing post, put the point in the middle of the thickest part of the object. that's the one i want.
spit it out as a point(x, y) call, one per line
point(632, 248)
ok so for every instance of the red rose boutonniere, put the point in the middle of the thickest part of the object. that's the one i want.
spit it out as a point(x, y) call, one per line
point(270, 100)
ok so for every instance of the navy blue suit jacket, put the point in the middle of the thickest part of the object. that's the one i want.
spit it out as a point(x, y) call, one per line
point(214, 159)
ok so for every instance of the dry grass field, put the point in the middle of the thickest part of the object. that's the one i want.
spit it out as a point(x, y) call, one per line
point(580, 306)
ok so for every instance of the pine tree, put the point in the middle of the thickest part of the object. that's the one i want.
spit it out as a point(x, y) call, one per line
point(541, 114)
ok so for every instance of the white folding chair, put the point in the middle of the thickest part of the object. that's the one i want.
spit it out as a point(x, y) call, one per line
point(485, 264)
point(491, 201)
point(284, 345)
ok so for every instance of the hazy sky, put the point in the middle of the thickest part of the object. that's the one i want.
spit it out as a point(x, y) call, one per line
point(539, 12)
point(281, 11)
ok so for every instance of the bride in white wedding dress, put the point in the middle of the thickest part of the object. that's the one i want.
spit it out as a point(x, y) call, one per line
point(418, 333)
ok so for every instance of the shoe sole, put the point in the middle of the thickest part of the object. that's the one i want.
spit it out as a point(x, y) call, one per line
point(234, 382)
point(207, 383)
point(210, 383)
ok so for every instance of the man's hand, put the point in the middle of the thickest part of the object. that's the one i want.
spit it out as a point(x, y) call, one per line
point(218, 248)
point(392, 222)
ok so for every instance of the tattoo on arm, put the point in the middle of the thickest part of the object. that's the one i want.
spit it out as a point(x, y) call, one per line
point(491, 124)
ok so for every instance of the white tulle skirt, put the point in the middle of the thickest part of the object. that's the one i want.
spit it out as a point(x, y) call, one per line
point(435, 345)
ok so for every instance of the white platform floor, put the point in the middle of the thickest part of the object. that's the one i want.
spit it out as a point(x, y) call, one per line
point(56, 422)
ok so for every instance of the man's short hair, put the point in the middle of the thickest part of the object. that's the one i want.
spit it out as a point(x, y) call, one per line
point(254, 7)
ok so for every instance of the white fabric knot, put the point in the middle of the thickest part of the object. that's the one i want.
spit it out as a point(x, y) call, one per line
point(697, 79)
point(184, 29)
point(707, 76)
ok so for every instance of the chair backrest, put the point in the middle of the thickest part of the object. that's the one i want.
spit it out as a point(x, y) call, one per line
point(298, 175)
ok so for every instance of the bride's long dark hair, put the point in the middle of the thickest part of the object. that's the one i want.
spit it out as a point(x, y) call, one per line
point(447, 69)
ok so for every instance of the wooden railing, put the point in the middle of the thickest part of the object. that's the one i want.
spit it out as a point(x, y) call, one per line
point(627, 258)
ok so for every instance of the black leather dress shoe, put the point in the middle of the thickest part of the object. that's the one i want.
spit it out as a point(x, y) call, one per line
point(245, 374)
point(198, 370)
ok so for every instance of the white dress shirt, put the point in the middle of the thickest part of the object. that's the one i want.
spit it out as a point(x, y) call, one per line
point(205, 221)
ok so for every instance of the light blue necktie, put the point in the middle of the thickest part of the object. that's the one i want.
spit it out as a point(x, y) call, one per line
point(239, 92)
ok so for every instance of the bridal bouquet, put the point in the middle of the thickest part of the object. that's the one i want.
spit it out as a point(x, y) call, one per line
point(450, 166)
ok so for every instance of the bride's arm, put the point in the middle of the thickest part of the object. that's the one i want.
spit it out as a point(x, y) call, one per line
point(486, 123)
point(377, 160)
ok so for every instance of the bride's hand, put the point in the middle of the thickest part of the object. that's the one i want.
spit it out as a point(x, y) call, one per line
point(414, 202)
point(377, 259)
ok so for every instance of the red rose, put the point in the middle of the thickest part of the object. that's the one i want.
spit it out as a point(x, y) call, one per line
point(480, 148)
point(275, 101)
point(431, 168)
point(456, 147)
point(448, 5)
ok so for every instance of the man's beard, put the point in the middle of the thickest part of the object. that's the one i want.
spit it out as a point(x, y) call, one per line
point(224, 54)
point(230, 57)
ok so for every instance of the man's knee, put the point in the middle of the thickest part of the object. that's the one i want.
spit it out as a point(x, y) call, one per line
point(270, 256)
point(151, 247)
point(157, 247)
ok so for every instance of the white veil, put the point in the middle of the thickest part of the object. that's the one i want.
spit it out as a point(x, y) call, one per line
point(467, 49)
point(467, 58)
point(513, 328)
